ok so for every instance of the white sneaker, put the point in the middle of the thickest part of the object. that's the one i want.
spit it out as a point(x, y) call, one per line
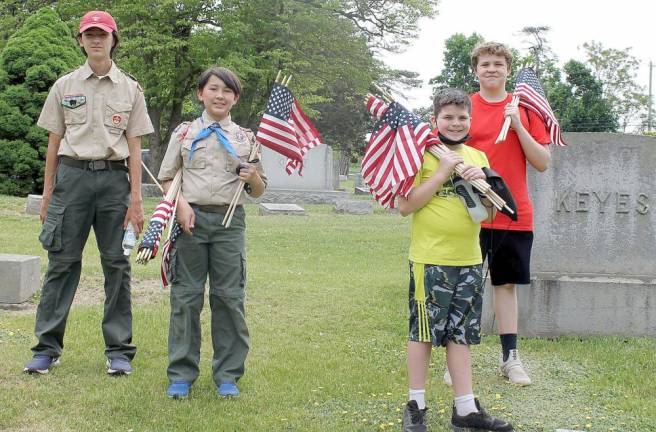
point(447, 378)
point(514, 370)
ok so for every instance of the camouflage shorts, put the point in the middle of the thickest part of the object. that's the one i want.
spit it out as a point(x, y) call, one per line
point(451, 307)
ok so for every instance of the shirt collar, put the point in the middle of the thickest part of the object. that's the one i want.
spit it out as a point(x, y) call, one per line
point(208, 121)
point(112, 74)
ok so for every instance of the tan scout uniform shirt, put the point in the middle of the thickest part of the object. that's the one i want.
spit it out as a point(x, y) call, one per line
point(95, 115)
point(210, 177)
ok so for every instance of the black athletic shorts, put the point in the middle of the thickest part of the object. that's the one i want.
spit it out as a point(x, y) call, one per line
point(508, 255)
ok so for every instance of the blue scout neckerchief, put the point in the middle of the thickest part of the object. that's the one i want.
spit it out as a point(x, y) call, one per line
point(223, 140)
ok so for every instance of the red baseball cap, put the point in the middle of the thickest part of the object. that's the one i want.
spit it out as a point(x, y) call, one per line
point(100, 19)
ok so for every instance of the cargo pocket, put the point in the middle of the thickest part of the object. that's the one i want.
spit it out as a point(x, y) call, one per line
point(171, 270)
point(51, 233)
point(242, 281)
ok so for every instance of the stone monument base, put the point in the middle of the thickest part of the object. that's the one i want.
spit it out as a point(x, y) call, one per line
point(582, 305)
point(297, 196)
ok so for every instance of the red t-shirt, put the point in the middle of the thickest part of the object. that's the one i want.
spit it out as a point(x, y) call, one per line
point(507, 158)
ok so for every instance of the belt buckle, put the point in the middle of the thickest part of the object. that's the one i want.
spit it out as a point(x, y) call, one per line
point(97, 165)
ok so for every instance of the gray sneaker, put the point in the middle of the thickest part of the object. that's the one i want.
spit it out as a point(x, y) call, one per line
point(40, 364)
point(413, 418)
point(118, 366)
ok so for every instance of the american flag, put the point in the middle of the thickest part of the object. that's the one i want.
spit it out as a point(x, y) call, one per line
point(395, 151)
point(285, 129)
point(156, 226)
point(165, 268)
point(532, 96)
point(307, 135)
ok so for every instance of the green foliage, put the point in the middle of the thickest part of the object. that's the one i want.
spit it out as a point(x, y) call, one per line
point(328, 47)
point(457, 71)
point(35, 55)
point(579, 103)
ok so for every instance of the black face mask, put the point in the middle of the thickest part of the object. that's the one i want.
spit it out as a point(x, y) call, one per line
point(446, 140)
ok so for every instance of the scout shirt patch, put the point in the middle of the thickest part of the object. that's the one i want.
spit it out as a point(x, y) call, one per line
point(240, 136)
point(116, 119)
point(73, 101)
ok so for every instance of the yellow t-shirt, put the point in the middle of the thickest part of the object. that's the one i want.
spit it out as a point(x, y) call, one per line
point(442, 231)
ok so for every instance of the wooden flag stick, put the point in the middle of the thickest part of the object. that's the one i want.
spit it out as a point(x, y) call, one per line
point(286, 83)
point(278, 77)
point(506, 123)
point(227, 220)
point(387, 96)
point(152, 177)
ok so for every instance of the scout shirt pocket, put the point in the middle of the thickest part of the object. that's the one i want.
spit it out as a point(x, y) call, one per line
point(243, 150)
point(117, 115)
point(199, 156)
point(75, 109)
point(50, 236)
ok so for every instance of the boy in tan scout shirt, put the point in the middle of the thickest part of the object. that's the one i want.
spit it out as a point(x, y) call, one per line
point(95, 116)
point(213, 153)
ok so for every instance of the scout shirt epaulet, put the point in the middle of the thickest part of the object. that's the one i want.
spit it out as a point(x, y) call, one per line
point(182, 130)
point(133, 79)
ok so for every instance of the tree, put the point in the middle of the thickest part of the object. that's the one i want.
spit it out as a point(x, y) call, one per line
point(328, 46)
point(457, 71)
point(33, 58)
point(616, 70)
point(579, 103)
point(539, 51)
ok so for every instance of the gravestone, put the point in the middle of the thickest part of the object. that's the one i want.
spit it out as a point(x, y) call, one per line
point(358, 207)
point(361, 191)
point(19, 277)
point(281, 209)
point(316, 185)
point(33, 205)
point(594, 252)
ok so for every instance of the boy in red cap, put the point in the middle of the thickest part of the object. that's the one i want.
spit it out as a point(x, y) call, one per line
point(95, 116)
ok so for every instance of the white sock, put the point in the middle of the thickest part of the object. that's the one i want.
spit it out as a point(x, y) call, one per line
point(418, 395)
point(465, 404)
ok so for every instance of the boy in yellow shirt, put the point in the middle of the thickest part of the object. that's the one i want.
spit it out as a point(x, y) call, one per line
point(446, 283)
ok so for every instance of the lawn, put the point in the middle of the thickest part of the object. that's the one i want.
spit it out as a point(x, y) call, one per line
point(327, 298)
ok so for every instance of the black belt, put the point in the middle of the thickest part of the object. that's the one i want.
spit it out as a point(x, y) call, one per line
point(212, 208)
point(94, 165)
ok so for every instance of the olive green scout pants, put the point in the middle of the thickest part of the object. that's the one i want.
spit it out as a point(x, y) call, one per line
point(218, 252)
point(82, 199)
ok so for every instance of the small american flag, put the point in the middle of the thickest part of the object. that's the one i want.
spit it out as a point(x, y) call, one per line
point(395, 151)
point(165, 268)
point(532, 96)
point(285, 129)
point(156, 226)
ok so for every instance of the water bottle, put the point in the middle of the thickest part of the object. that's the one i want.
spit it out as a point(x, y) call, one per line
point(129, 239)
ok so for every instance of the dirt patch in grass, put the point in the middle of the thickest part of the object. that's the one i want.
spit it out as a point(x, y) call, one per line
point(91, 291)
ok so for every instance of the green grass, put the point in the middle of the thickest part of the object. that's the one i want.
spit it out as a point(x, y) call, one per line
point(327, 298)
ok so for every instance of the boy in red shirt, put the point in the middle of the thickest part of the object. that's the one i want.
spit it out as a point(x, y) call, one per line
point(507, 244)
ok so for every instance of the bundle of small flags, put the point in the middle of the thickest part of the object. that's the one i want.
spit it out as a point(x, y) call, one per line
point(395, 151)
point(150, 241)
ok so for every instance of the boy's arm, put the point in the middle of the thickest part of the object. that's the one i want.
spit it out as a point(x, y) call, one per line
point(424, 192)
point(537, 155)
